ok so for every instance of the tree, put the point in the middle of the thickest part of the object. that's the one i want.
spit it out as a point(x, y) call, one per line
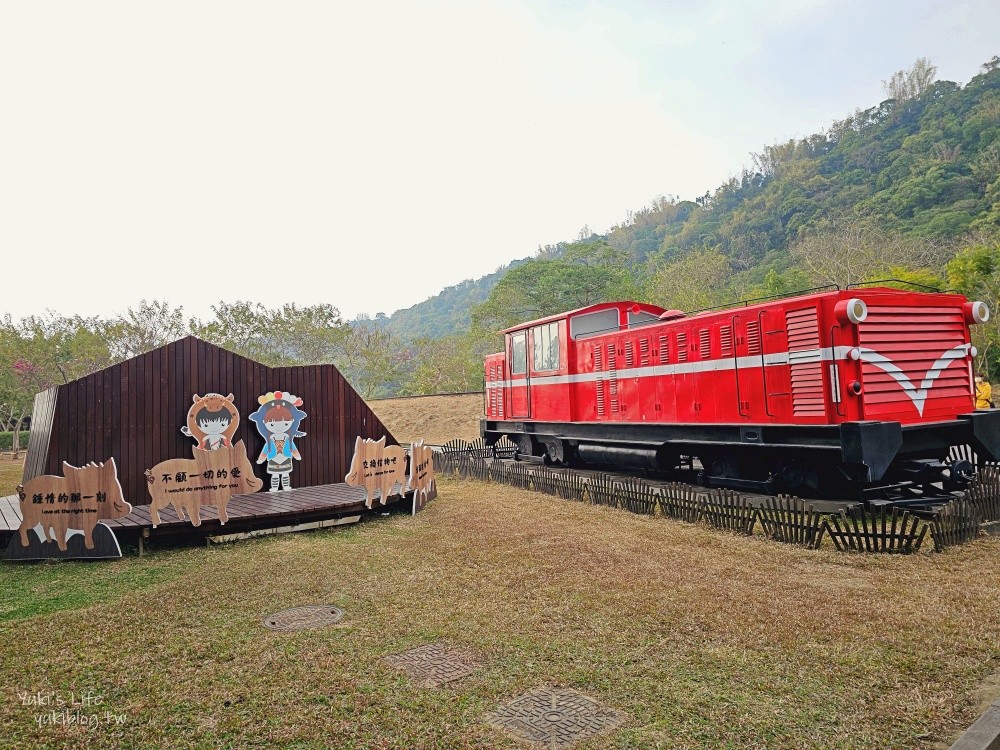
point(777, 283)
point(694, 282)
point(308, 335)
point(585, 274)
point(372, 361)
point(291, 335)
point(975, 272)
point(60, 349)
point(449, 364)
point(40, 352)
point(17, 389)
point(139, 330)
point(853, 252)
point(239, 326)
point(909, 84)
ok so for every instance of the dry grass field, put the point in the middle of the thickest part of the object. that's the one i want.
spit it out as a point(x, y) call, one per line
point(705, 640)
point(436, 419)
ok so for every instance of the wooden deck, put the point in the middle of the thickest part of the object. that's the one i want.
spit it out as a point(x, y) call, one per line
point(10, 513)
point(246, 512)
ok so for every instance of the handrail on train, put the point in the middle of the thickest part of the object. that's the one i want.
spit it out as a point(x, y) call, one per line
point(780, 295)
point(858, 284)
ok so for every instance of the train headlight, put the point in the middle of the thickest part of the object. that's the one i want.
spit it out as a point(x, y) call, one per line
point(853, 310)
point(976, 312)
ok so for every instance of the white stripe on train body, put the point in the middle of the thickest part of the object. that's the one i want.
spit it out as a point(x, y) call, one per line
point(827, 354)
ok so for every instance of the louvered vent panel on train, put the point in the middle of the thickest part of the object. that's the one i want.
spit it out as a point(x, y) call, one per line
point(664, 344)
point(705, 343)
point(753, 337)
point(805, 362)
point(493, 392)
point(916, 342)
point(682, 346)
point(599, 381)
point(629, 354)
point(612, 379)
point(643, 352)
point(726, 341)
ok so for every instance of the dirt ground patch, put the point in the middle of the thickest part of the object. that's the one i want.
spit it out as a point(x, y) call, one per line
point(436, 419)
point(703, 639)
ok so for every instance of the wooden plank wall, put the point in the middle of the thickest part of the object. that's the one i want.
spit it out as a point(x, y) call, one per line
point(41, 432)
point(337, 415)
point(134, 412)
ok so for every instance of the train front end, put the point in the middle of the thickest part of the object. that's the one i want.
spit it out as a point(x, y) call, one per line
point(906, 376)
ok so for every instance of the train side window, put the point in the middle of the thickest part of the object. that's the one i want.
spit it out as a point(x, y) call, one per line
point(545, 347)
point(594, 323)
point(641, 318)
point(518, 354)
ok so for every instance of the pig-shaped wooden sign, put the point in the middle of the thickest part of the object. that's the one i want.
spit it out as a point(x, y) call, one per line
point(379, 468)
point(68, 506)
point(421, 481)
point(210, 478)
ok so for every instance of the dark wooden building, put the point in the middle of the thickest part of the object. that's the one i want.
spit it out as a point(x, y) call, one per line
point(134, 411)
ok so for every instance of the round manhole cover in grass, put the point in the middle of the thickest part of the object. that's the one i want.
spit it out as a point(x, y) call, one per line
point(303, 618)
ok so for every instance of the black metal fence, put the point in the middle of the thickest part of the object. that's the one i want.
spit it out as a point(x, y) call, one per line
point(784, 519)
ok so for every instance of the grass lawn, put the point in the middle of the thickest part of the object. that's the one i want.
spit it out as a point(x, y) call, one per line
point(705, 640)
point(10, 474)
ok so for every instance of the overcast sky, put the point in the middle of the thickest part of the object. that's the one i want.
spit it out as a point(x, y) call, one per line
point(369, 154)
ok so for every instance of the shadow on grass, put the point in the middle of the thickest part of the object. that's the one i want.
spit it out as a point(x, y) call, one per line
point(32, 589)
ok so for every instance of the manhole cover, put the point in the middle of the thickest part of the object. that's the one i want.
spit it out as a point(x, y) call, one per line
point(303, 618)
point(432, 664)
point(555, 718)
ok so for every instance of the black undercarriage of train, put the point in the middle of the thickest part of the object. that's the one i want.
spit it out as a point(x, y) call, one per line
point(859, 460)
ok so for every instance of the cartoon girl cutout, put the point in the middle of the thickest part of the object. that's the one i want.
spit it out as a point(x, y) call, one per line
point(278, 420)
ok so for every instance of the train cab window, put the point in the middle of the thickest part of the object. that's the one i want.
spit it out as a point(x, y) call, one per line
point(545, 347)
point(518, 354)
point(641, 318)
point(591, 324)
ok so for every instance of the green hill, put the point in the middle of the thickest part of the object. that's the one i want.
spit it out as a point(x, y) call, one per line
point(448, 311)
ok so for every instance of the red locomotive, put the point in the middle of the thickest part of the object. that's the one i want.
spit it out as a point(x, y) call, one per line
point(859, 387)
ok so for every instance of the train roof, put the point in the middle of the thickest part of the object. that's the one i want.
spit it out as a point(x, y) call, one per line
point(628, 305)
point(620, 305)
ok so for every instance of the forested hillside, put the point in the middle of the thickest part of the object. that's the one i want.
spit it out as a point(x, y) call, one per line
point(447, 311)
point(908, 188)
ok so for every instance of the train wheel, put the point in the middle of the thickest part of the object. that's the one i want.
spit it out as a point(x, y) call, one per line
point(555, 452)
point(524, 446)
point(794, 475)
point(960, 474)
point(722, 465)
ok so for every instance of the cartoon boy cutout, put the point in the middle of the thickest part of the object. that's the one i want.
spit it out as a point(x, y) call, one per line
point(211, 421)
point(214, 425)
